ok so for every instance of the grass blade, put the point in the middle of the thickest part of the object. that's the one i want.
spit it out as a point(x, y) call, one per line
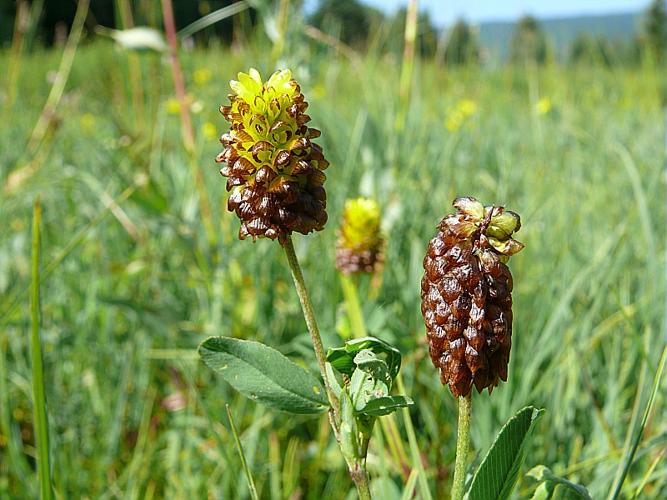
point(239, 448)
point(38, 393)
point(616, 490)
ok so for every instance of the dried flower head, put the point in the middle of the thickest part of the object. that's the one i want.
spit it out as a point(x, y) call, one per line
point(360, 241)
point(467, 295)
point(274, 172)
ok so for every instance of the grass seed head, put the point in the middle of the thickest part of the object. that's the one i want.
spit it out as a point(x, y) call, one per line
point(274, 171)
point(467, 295)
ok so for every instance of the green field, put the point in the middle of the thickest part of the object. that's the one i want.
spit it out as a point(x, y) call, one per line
point(133, 281)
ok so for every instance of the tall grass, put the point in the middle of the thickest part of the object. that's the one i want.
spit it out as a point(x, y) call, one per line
point(134, 284)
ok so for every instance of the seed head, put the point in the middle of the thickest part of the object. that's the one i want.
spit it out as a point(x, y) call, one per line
point(360, 241)
point(274, 172)
point(467, 295)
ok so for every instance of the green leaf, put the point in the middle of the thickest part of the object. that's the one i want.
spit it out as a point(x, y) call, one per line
point(342, 358)
point(364, 388)
point(544, 475)
point(496, 476)
point(385, 405)
point(263, 374)
point(377, 368)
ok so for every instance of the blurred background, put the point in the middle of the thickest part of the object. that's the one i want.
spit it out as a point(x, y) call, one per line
point(110, 118)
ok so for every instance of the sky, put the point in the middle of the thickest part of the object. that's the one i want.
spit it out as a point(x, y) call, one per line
point(445, 12)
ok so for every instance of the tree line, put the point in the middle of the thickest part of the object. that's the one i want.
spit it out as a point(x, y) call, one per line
point(360, 26)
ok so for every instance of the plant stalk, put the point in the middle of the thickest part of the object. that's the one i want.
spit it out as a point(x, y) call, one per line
point(353, 306)
point(187, 130)
point(38, 391)
point(357, 468)
point(311, 322)
point(360, 479)
point(462, 443)
point(358, 326)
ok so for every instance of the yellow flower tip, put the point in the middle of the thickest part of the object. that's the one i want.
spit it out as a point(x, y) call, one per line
point(361, 226)
point(209, 131)
point(543, 106)
point(202, 76)
point(360, 242)
point(249, 85)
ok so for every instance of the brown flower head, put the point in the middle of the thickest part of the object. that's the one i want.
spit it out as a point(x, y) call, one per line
point(274, 172)
point(467, 295)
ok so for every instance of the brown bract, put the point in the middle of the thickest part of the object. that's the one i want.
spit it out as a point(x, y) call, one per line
point(467, 303)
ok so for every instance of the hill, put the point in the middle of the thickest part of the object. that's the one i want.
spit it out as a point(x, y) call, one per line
point(495, 36)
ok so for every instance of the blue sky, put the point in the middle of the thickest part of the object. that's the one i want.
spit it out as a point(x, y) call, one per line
point(445, 12)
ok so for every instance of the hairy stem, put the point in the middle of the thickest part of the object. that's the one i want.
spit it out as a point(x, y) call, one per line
point(357, 467)
point(311, 323)
point(462, 442)
point(360, 479)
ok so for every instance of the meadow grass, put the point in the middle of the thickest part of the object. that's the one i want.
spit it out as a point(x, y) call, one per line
point(131, 283)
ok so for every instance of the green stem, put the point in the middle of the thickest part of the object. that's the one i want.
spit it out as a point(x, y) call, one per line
point(414, 446)
point(360, 478)
point(311, 323)
point(462, 442)
point(38, 392)
point(353, 307)
point(358, 327)
point(357, 468)
point(244, 463)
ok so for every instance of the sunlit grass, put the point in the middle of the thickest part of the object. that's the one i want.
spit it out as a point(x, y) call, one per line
point(129, 420)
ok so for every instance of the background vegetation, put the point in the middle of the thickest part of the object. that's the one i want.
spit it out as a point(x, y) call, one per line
point(133, 280)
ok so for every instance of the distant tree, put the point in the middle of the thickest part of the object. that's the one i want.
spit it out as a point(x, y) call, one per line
point(588, 50)
point(655, 29)
point(528, 44)
point(349, 20)
point(462, 45)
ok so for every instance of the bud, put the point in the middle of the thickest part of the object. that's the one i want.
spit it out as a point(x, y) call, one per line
point(360, 241)
point(274, 171)
point(467, 295)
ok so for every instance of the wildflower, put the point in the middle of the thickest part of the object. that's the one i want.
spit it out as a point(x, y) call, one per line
point(202, 76)
point(209, 131)
point(360, 241)
point(196, 107)
point(87, 122)
point(467, 107)
point(543, 106)
point(274, 172)
point(467, 295)
point(454, 120)
point(173, 106)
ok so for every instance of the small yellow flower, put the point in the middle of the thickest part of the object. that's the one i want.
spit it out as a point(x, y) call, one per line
point(543, 106)
point(319, 91)
point(467, 107)
point(173, 106)
point(209, 131)
point(202, 76)
point(87, 122)
point(360, 240)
